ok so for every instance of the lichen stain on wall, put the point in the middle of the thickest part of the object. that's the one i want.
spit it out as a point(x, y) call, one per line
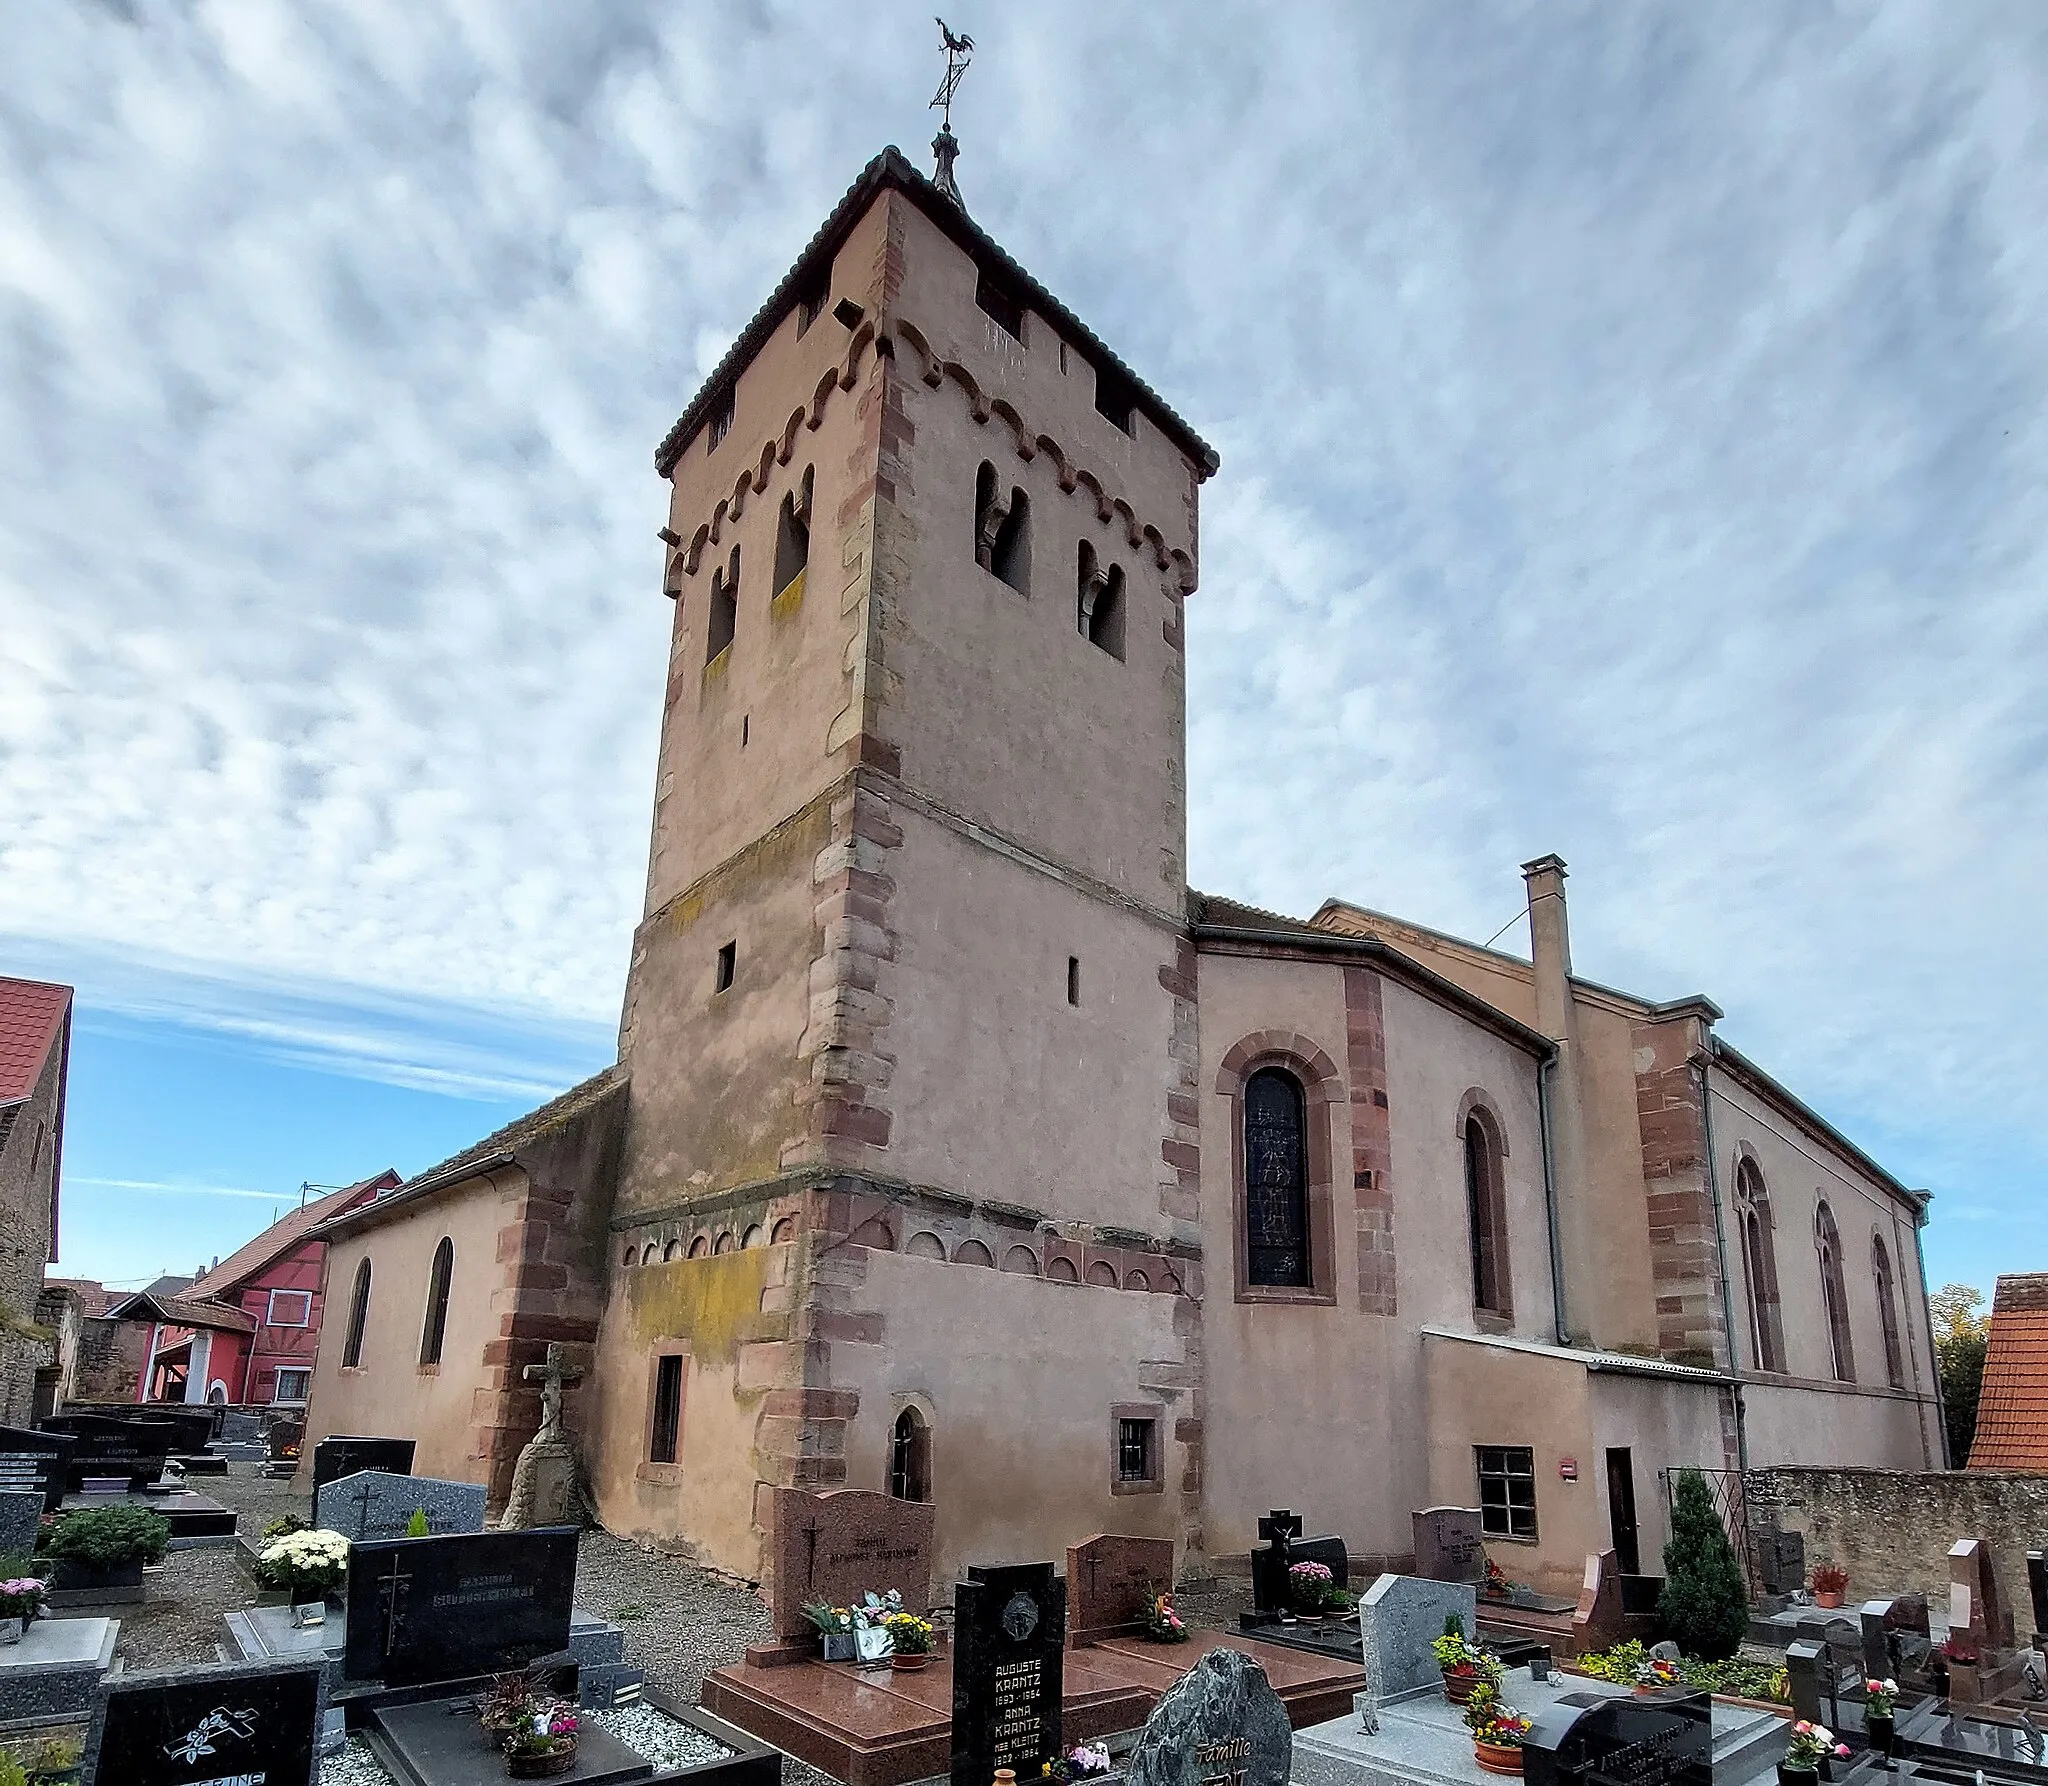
point(713, 1302)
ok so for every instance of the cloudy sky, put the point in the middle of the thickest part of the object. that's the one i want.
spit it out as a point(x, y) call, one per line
point(1633, 445)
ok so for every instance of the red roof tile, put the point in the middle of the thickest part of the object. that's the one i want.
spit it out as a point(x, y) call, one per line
point(31, 1014)
point(2012, 1412)
point(92, 1296)
point(282, 1236)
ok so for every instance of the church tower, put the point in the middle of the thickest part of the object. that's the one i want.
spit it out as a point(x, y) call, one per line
point(910, 1184)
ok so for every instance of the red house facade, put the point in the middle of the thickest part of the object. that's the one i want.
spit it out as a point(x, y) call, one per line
point(247, 1331)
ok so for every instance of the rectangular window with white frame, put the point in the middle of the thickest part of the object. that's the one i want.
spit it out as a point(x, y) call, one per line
point(289, 1308)
point(291, 1386)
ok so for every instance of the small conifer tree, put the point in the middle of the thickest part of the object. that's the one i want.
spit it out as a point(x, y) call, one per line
point(417, 1527)
point(1704, 1606)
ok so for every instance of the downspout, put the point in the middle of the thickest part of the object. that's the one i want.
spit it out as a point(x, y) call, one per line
point(1550, 1196)
point(1704, 1064)
point(1923, 1198)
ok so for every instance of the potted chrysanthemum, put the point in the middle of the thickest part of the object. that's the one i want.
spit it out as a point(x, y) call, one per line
point(21, 1604)
point(1465, 1667)
point(1497, 1730)
point(304, 1567)
point(910, 1641)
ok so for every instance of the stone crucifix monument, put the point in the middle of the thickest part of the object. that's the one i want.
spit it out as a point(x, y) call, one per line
point(548, 1484)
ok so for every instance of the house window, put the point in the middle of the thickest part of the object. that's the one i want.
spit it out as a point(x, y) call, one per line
point(358, 1318)
point(1276, 1179)
point(1002, 530)
point(1887, 1313)
point(291, 1386)
point(436, 1328)
point(721, 421)
point(910, 1457)
point(1486, 1217)
point(725, 607)
point(1833, 1294)
point(728, 959)
point(1507, 1491)
point(1134, 1450)
point(289, 1308)
point(1000, 305)
point(1759, 1267)
point(793, 533)
point(1099, 605)
point(665, 1430)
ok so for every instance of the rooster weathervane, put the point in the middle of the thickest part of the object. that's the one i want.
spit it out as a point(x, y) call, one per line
point(945, 146)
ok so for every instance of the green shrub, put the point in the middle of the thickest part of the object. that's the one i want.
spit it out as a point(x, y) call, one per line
point(283, 1526)
point(1704, 1606)
point(105, 1536)
point(417, 1527)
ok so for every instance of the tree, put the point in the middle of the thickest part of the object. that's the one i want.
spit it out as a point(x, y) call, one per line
point(1704, 1606)
point(1960, 1338)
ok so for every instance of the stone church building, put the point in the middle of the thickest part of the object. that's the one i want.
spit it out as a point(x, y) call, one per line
point(957, 1148)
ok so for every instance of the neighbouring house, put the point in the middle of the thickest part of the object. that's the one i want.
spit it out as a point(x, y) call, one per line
point(957, 1148)
point(246, 1330)
point(35, 1055)
point(64, 1307)
point(2012, 1407)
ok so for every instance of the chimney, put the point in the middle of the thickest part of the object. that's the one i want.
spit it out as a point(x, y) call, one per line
point(1550, 951)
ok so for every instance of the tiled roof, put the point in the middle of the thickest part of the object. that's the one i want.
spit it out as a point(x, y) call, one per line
point(31, 1014)
point(281, 1236)
point(2012, 1410)
point(182, 1311)
point(92, 1297)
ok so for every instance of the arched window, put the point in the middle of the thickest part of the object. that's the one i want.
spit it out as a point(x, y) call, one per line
point(1759, 1267)
point(725, 607)
point(1887, 1312)
point(671, 1249)
point(1002, 530)
point(793, 534)
point(358, 1318)
point(910, 1457)
point(1486, 1217)
point(1834, 1296)
point(436, 1328)
point(1276, 1179)
point(1099, 607)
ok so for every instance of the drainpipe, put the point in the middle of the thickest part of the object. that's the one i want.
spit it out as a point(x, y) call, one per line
point(1550, 961)
point(1550, 1197)
point(1927, 1327)
point(1703, 1064)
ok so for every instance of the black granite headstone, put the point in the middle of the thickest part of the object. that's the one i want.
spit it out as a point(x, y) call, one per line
point(343, 1454)
point(1663, 1741)
point(1782, 1558)
point(446, 1609)
point(189, 1429)
point(36, 1463)
point(106, 1446)
point(207, 1727)
point(1009, 1632)
point(1279, 1529)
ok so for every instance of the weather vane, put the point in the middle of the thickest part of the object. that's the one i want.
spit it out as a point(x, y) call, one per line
point(945, 146)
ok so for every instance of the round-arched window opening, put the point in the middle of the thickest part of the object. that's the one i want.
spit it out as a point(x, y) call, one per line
point(910, 1457)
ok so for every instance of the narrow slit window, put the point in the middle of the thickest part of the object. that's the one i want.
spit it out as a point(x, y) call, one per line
point(1099, 604)
point(435, 1330)
point(793, 533)
point(1073, 979)
point(1116, 398)
point(721, 422)
point(665, 1429)
point(358, 1318)
point(811, 301)
point(728, 959)
point(725, 607)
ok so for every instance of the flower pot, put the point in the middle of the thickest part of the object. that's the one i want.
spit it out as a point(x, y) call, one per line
point(557, 1760)
point(1829, 1600)
point(903, 1664)
point(1878, 1727)
point(838, 1646)
point(1458, 1687)
point(11, 1630)
point(1797, 1776)
point(1497, 1758)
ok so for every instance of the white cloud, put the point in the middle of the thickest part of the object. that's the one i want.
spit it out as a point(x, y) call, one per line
point(1633, 437)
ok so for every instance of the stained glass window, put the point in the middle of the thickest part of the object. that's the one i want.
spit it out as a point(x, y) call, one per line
point(1275, 1179)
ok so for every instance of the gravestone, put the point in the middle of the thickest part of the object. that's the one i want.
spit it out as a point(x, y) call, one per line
point(349, 1454)
point(39, 1462)
point(281, 1441)
point(1598, 1620)
point(373, 1504)
point(21, 1515)
point(184, 1430)
point(1399, 1618)
point(132, 1449)
point(1806, 1680)
point(840, 1545)
point(2037, 1594)
point(231, 1726)
point(1009, 1628)
point(1220, 1724)
point(549, 1487)
point(1663, 1741)
point(1975, 1606)
point(1285, 1546)
point(439, 1609)
point(1781, 1556)
point(1111, 1581)
point(1449, 1545)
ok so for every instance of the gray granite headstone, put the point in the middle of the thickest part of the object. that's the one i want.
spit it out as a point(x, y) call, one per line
point(1449, 1545)
point(21, 1511)
point(374, 1505)
point(1805, 1666)
point(1399, 1617)
point(1221, 1719)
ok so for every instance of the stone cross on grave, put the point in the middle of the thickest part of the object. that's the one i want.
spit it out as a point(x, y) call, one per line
point(551, 1377)
point(1279, 1528)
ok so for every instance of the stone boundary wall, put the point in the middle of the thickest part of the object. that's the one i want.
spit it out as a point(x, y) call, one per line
point(1891, 1529)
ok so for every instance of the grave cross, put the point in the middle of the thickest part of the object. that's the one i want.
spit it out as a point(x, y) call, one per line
point(362, 1498)
point(1279, 1526)
point(392, 1585)
point(811, 1532)
point(551, 1376)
